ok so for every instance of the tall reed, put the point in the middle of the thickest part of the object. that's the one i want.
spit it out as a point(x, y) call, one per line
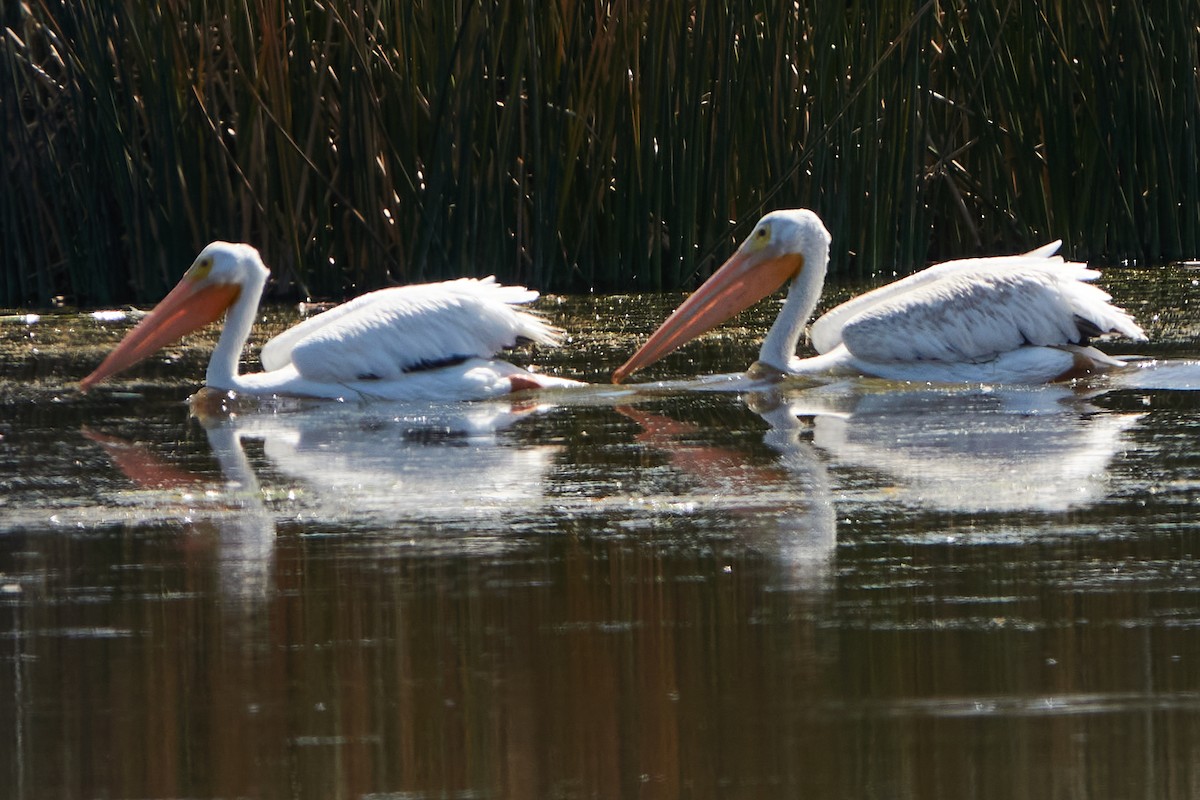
point(609, 145)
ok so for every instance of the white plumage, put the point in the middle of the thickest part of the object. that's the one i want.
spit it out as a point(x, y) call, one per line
point(389, 332)
point(974, 312)
point(1008, 319)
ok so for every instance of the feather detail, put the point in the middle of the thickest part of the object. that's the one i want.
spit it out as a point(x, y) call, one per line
point(392, 331)
point(972, 309)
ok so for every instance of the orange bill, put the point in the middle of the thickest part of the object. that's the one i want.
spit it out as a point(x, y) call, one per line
point(742, 281)
point(186, 308)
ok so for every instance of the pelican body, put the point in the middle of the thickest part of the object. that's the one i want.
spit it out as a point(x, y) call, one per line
point(428, 341)
point(1007, 319)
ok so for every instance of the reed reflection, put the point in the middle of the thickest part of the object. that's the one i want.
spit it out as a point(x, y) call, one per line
point(682, 623)
point(590, 664)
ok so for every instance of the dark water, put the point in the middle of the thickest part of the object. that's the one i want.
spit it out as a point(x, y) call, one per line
point(860, 590)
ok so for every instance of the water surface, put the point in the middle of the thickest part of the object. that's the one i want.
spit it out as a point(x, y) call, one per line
point(853, 590)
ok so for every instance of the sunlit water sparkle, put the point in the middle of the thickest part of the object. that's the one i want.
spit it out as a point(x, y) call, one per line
point(849, 590)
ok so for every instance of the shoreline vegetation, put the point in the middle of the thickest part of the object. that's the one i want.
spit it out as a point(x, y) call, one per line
point(607, 146)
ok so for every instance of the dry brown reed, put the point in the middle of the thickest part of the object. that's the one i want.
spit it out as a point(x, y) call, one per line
point(606, 145)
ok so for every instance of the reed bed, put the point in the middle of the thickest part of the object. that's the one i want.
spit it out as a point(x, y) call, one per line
point(605, 145)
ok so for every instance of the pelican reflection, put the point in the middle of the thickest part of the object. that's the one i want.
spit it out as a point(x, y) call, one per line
point(782, 508)
point(387, 464)
point(393, 468)
point(1037, 448)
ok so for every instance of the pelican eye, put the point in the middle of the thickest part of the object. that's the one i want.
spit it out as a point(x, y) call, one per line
point(761, 236)
point(201, 268)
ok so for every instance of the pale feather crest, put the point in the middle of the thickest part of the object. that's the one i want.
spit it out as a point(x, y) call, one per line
point(386, 333)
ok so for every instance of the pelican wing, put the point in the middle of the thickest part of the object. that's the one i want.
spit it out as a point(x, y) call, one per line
point(974, 312)
point(386, 333)
point(826, 333)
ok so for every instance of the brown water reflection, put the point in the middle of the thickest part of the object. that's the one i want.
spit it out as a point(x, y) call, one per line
point(844, 591)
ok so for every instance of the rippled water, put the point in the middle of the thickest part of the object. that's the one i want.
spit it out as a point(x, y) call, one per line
point(854, 590)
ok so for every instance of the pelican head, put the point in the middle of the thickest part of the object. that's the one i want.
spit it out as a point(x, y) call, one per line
point(220, 275)
point(787, 245)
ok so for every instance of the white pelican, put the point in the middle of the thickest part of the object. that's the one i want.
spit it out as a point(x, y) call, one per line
point(429, 341)
point(1010, 319)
